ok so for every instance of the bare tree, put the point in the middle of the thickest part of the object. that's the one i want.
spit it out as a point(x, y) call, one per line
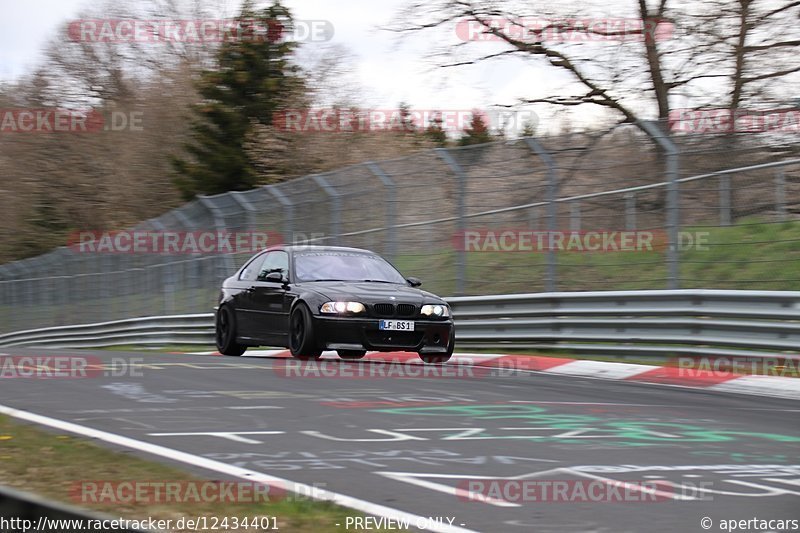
point(640, 64)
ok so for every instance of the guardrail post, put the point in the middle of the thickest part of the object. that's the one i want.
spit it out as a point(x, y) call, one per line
point(673, 199)
point(630, 211)
point(169, 288)
point(461, 254)
point(724, 200)
point(780, 194)
point(336, 203)
point(391, 208)
point(550, 281)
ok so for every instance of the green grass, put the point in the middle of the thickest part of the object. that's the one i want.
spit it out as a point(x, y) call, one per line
point(50, 464)
point(751, 255)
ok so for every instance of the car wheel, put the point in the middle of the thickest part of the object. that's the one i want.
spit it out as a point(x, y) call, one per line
point(225, 333)
point(302, 343)
point(441, 357)
point(352, 354)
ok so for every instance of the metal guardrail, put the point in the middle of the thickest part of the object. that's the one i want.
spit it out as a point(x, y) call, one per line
point(640, 323)
point(146, 331)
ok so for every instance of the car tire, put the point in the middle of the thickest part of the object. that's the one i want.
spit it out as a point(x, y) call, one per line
point(441, 357)
point(302, 342)
point(225, 333)
point(351, 355)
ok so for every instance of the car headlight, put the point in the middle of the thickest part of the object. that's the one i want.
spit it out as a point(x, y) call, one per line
point(436, 310)
point(334, 308)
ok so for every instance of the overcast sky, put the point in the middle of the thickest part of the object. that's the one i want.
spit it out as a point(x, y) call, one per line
point(388, 71)
point(387, 74)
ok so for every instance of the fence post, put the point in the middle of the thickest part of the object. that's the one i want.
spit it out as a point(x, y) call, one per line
point(575, 216)
point(219, 224)
point(13, 320)
point(162, 282)
point(630, 211)
point(673, 199)
point(391, 207)
point(551, 281)
point(194, 284)
point(288, 211)
point(533, 218)
point(461, 254)
point(250, 211)
point(724, 200)
point(780, 194)
point(336, 203)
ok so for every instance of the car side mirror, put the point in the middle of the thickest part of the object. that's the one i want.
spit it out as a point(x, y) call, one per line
point(272, 277)
point(414, 282)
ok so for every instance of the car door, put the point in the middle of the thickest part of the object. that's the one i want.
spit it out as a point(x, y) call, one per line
point(269, 299)
point(244, 301)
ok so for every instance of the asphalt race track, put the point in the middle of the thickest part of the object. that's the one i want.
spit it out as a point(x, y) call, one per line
point(415, 443)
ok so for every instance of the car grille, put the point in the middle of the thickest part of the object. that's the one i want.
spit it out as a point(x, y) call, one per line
point(383, 309)
point(406, 310)
point(390, 310)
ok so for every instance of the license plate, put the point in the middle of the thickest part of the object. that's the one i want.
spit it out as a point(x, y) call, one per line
point(396, 325)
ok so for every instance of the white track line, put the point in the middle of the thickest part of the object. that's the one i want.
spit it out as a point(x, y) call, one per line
point(234, 471)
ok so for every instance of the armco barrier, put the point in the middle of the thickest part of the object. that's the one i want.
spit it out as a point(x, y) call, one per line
point(146, 331)
point(640, 323)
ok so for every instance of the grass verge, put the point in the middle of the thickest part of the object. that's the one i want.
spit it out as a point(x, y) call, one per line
point(53, 465)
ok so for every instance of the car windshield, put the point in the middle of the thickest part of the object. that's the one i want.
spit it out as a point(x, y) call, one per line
point(344, 266)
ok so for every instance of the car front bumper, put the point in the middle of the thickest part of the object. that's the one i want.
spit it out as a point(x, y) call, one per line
point(346, 333)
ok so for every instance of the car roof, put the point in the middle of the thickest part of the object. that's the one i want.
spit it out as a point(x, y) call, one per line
point(314, 248)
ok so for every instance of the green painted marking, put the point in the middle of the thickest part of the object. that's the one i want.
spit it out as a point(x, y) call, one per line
point(628, 432)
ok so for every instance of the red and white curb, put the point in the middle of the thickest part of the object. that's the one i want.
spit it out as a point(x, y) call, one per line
point(722, 381)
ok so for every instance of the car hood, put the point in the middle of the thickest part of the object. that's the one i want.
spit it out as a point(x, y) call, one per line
point(370, 292)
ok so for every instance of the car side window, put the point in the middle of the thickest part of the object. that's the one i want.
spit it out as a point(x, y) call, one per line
point(251, 271)
point(277, 261)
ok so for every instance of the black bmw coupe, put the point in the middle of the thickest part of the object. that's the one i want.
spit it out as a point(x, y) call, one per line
point(315, 298)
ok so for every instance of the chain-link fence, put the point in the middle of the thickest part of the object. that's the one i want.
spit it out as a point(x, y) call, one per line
point(615, 210)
